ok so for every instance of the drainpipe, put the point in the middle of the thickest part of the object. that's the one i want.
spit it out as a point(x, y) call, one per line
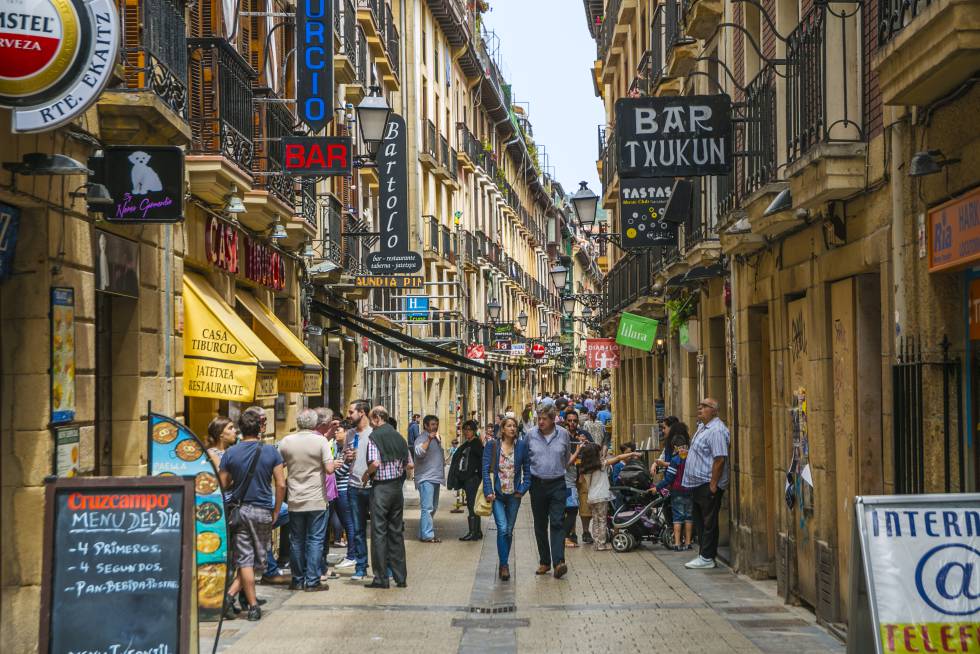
point(900, 133)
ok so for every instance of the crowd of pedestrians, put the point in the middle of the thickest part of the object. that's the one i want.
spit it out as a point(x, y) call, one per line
point(333, 479)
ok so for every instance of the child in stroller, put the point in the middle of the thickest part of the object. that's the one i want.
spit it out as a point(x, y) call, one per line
point(640, 517)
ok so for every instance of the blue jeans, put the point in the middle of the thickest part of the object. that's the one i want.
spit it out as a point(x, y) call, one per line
point(359, 500)
point(429, 503)
point(271, 566)
point(505, 509)
point(307, 529)
point(347, 520)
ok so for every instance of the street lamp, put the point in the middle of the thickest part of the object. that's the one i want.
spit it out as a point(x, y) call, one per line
point(543, 326)
point(587, 314)
point(493, 310)
point(586, 203)
point(372, 116)
point(568, 305)
point(522, 319)
point(559, 276)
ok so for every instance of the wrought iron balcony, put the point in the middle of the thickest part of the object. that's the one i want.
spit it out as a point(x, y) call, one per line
point(355, 248)
point(895, 15)
point(430, 143)
point(443, 151)
point(453, 164)
point(332, 220)
point(221, 107)
point(446, 239)
point(275, 123)
point(628, 281)
point(610, 161)
point(432, 240)
point(608, 27)
point(308, 202)
point(759, 164)
point(154, 54)
point(822, 85)
point(469, 145)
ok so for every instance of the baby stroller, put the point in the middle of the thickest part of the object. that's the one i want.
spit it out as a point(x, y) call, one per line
point(641, 515)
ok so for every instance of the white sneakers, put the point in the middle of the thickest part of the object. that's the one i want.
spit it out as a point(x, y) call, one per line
point(699, 563)
point(359, 576)
point(346, 563)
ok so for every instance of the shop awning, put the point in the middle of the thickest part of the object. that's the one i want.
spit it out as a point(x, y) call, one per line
point(223, 358)
point(300, 371)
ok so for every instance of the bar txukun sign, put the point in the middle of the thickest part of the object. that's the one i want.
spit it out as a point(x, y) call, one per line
point(636, 331)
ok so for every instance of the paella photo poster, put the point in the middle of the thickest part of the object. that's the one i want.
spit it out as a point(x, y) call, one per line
point(62, 355)
point(174, 450)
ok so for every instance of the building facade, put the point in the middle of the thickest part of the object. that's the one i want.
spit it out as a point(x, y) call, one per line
point(821, 291)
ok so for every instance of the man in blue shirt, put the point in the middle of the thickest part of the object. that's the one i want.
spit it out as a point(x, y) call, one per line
point(413, 431)
point(550, 452)
point(604, 415)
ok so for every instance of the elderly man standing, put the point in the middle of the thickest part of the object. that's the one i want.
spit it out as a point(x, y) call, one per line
point(430, 474)
point(387, 460)
point(706, 477)
point(551, 452)
point(308, 460)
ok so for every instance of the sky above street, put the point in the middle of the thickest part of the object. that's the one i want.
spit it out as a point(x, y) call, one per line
point(547, 53)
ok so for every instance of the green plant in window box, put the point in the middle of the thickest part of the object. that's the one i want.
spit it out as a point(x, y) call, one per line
point(679, 311)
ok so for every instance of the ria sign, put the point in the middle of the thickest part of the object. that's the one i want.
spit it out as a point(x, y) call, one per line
point(314, 62)
point(674, 136)
point(55, 58)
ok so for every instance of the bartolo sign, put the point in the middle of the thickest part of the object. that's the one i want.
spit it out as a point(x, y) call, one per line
point(314, 62)
point(55, 58)
point(674, 136)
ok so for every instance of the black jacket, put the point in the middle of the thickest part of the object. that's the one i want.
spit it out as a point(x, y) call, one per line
point(466, 464)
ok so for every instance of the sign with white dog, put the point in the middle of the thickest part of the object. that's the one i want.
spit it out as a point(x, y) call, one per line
point(146, 183)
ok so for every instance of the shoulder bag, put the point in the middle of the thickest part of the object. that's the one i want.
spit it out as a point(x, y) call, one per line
point(233, 506)
point(483, 507)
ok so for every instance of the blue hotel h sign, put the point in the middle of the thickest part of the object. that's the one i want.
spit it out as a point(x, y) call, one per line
point(314, 62)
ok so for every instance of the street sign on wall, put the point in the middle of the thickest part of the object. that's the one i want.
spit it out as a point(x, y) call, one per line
point(394, 256)
point(676, 136)
point(601, 353)
point(641, 204)
point(314, 62)
point(416, 307)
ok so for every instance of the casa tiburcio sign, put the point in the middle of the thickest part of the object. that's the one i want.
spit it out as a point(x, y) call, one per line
point(676, 136)
point(393, 256)
point(55, 58)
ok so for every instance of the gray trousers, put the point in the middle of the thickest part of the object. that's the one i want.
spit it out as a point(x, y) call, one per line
point(388, 530)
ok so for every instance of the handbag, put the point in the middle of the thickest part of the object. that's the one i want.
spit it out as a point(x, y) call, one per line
point(233, 506)
point(483, 507)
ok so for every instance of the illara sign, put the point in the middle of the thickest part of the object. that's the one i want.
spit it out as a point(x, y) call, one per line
point(674, 136)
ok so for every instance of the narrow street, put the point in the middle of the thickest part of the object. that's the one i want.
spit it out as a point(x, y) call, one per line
point(641, 601)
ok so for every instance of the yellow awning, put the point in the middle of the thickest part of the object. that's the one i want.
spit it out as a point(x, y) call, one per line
point(223, 358)
point(301, 371)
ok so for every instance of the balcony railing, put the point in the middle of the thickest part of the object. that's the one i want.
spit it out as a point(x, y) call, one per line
point(308, 201)
point(355, 248)
point(443, 151)
point(221, 109)
point(822, 86)
point(610, 160)
point(630, 279)
point(392, 39)
point(468, 144)
point(430, 142)
point(362, 64)
point(469, 246)
point(345, 24)
point(276, 122)
point(894, 15)
point(673, 29)
point(760, 131)
point(446, 239)
point(332, 220)
point(453, 164)
point(432, 241)
point(154, 58)
point(609, 18)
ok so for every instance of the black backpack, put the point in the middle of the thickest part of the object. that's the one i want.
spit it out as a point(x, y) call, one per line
point(635, 475)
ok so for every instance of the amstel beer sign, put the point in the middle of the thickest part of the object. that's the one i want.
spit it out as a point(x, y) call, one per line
point(55, 58)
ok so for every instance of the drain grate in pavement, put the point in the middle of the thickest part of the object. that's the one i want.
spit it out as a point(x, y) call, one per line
point(508, 608)
point(754, 609)
point(772, 624)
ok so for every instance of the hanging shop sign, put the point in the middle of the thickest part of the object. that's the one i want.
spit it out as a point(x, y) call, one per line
point(221, 245)
point(146, 183)
point(394, 256)
point(117, 265)
point(954, 232)
point(389, 281)
point(538, 350)
point(416, 307)
point(973, 309)
point(919, 561)
point(264, 265)
point(314, 62)
point(503, 330)
point(554, 349)
point(641, 205)
point(9, 225)
point(674, 136)
point(518, 349)
point(117, 566)
point(174, 450)
point(318, 156)
point(55, 58)
point(502, 345)
point(601, 353)
point(636, 331)
point(476, 352)
point(62, 355)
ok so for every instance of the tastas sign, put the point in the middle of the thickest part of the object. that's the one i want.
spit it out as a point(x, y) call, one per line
point(328, 156)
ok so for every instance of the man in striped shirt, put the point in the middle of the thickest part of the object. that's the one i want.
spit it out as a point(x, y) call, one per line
point(387, 460)
point(706, 477)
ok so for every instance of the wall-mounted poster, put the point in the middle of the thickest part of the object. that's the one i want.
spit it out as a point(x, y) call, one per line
point(62, 355)
point(66, 451)
point(174, 450)
point(117, 267)
point(9, 222)
point(146, 183)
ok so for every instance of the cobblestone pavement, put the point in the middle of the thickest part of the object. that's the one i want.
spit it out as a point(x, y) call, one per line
point(641, 601)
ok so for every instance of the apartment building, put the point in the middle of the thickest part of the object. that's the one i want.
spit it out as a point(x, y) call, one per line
point(820, 290)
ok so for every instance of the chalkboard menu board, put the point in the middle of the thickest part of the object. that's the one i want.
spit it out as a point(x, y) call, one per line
point(117, 565)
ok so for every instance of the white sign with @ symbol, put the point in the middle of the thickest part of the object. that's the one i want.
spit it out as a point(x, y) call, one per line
point(921, 557)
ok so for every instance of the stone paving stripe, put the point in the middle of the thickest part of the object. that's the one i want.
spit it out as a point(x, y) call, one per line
point(630, 606)
point(404, 608)
point(772, 624)
point(491, 634)
point(755, 609)
point(499, 623)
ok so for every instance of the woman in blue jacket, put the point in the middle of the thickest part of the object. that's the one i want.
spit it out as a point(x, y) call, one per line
point(507, 471)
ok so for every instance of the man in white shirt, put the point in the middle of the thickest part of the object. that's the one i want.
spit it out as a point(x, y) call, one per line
point(307, 457)
point(706, 477)
point(359, 491)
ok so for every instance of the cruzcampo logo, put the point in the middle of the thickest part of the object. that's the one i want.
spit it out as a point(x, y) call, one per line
point(636, 331)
